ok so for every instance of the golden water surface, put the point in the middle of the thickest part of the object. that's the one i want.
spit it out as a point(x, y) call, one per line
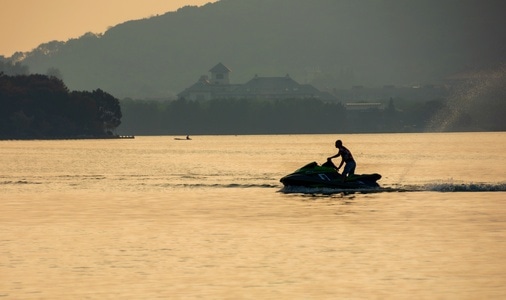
point(157, 218)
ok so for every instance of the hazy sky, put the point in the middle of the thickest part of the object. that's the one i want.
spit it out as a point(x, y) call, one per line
point(25, 24)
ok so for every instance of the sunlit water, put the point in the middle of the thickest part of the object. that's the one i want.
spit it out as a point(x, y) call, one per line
point(158, 218)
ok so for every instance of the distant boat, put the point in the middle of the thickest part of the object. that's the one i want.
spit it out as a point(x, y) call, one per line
point(183, 139)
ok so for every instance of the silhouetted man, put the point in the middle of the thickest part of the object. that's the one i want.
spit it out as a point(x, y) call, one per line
point(346, 157)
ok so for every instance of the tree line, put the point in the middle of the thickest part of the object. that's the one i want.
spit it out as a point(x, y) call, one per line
point(288, 116)
point(230, 116)
point(40, 106)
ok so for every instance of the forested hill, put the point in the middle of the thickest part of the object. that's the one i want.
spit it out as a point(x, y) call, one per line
point(329, 43)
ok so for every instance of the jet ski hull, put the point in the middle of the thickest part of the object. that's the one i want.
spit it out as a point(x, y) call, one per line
point(315, 176)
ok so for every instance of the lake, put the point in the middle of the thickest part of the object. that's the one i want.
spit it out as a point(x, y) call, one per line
point(156, 217)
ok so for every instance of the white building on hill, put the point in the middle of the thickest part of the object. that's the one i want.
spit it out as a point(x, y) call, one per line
point(218, 87)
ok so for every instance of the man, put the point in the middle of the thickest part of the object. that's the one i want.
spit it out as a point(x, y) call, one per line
point(346, 157)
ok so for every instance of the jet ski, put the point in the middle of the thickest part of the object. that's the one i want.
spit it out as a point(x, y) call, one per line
point(315, 176)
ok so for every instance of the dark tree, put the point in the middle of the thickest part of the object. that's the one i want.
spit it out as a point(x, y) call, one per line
point(38, 106)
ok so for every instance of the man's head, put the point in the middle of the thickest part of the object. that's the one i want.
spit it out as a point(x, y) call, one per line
point(339, 144)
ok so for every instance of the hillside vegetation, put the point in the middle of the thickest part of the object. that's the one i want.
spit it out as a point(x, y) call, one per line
point(329, 43)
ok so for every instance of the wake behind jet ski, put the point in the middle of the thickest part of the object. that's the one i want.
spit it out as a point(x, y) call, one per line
point(313, 175)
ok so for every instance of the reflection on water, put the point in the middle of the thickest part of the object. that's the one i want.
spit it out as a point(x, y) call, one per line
point(147, 219)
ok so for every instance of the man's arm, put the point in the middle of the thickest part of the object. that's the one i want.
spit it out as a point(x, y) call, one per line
point(334, 156)
point(341, 164)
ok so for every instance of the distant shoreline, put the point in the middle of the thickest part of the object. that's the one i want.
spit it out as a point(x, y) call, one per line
point(69, 138)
